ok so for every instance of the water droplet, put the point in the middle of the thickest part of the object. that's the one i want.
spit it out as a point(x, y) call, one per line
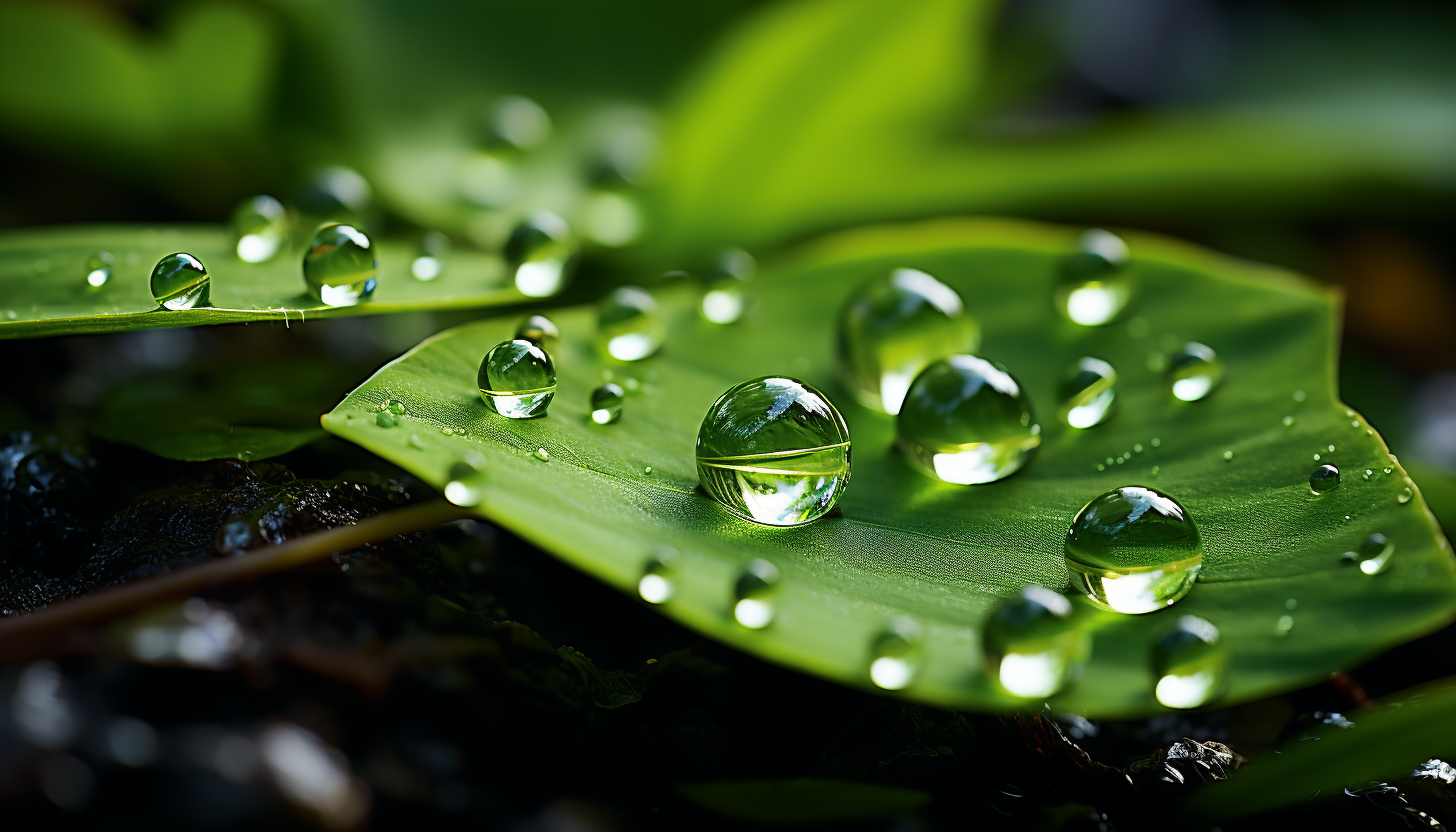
point(1193, 372)
point(341, 266)
point(1228, 456)
point(540, 254)
point(1189, 664)
point(260, 226)
point(98, 269)
point(892, 327)
point(1156, 442)
point(394, 406)
point(415, 442)
point(1137, 448)
point(543, 454)
point(1325, 478)
point(179, 281)
point(429, 262)
point(1405, 495)
point(1299, 395)
point(965, 421)
point(1355, 424)
point(1133, 550)
point(754, 595)
point(1101, 467)
point(1088, 391)
point(447, 430)
point(1374, 554)
point(606, 404)
point(1369, 472)
point(1316, 457)
point(1288, 421)
point(539, 330)
point(724, 296)
point(465, 485)
point(1155, 469)
point(1388, 470)
point(1093, 284)
point(629, 326)
point(647, 469)
point(385, 419)
point(895, 656)
point(517, 379)
point(336, 193)
point(1283, 625)
point(1291, 603)
point(1031, 645)
point(774, 450)
point(656, 584)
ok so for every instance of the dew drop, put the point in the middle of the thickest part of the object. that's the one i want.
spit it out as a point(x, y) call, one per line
point(1093, 284)
point(1155, 469)
point(98, 269)
point(1288, 421)
point(385, 419)
point(1369, 473)
point(1405, 495)
point(1325, 478)
point(895, 656)
point(629, 325)
point(517, 379)
point(647, 469)
point(1330, 448)
point(394, 406)
point(965, 421)
point(341, 266)
point(1193, 372)
point(1133, 550)
point(1299, 395)
point(1374, 554)
point(1138, 448)
point(540, 253)
point(539, 330)
point(754, 594)
point(1088, 392)
point(1283, 625)
point(1156, 442)
point(1189, 664)
point(1032, 648)
point(179, 281)
point(656, 584)
point(465, 485)
point(724, 296)
point(429, 262)
point(606, 404)
point(891, 327)
point(415, 442)
point(260, 228)
point(1228, 456)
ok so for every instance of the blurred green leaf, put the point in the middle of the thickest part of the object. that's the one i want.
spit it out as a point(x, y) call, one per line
point(904, 546)
point(804, 800)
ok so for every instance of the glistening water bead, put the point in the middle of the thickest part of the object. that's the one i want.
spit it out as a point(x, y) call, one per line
point(965, 421)
point(429, 262)
point(1193, 372)
point(517, 379)
point(895, 656)
point(1188, 663)
point(1325, 478)
point(774, 450)
point(1133, 550)
point(606, 404)
point(179, 281)
point(629, 326)
point(465, 484)
point(540, 254)
point(539, 330)
point(724, 296)
point(98, 269)
point(656, 584)
point(1030, 644)
point(894, 325)
point(1093, 284)
point(1088, 392)
point(260, 227)
point(341, 266)
point(755, 595)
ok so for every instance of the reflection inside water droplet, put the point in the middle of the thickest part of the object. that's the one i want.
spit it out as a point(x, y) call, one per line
point(1133, 550)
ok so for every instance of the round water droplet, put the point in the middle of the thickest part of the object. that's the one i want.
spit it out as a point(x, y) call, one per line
point(517, 379)
point(1325, 478)
point(1088, 391)
point(1374, 554)
point(1228, 456)
point(179, 281)
point(429, 262)
point(465, 485)
point(1405, 495)
point(1032, 648)
point(754, 595)
point(543, 454)
point(394, 406)
point(1189, 664)
point(1369, 473)
point(965, 421)
point(606, 404)
point(629, 326)
point(540, 253)
point(774, 450)
point(892, 327)
point(98, 269)
point(1299, 395)
point(656, 584)
point(385, 419)
point(724, 296)
point(1283, 625)
point(1133, 550)
point(260, 228)
point(1193, 372)
point(1288, 421)
point(647, 469)
point(895, 656)
point(539, 330)
point(341, 266)
point(1093, 283)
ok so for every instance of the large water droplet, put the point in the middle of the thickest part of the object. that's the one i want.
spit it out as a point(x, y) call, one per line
point(1189, 663)
point(1325, 478)
point(754, 595)
point(1193, 372)
point(1093, 284)
point(341, 266)
point(1374, 554)
point(1133, 550)
point(656, 584)
point(517, 379)
point(606, 404)
point(540, 253)
point(98, 269)
point(892, 327)
point(629, 325)
point(965, 421)
point(1032, 647)
point(465, 485)
point(895, 656)
point(260, 227)
point(774, 450)
point(1088, 391)
point(429, 262)
point(179, 281)
point(724, 295)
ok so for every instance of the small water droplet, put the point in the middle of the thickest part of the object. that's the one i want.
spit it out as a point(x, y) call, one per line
point(394, 406)
point(1194, 372)
point(429, 262)
point(1316, 457)
point(1228, 455)
point(893, 326)
point(1355, 423)
point(656, 584)
point(1330, 448)
point(1101, 467)
point(724, 296)
point(385, 419)
point(542, 454)
point(1388, 470)
point(895, 656)
point(1156, 442)
point(341, 266)
point(1032, 648)
point(774, 450)
point(1088, 392)
point(1283, 625)
point(1291, 603)
point(179, 281)
point(1369, 472)
point(1405, 495)
point(1093, 284)
point(539, 330)
point(629, 325)
point(415, 442)
point(447, 430)
point(260, 228)
point(754, 594)
point(965, 421)
point(1299, 395)
point(1156, 469)
point(1325, 478)
point(1138, 448)
point(540, 253)
point(1374, 554)
point(647, 469)
point(606, 404)
point(98, 269)
point(1133, 550)
point(1109, 460)
point(465, 485)
point(1189, 664)
point(517, 379)
point(1288, 421)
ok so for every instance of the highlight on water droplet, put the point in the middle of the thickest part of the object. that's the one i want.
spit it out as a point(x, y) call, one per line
point(755, 593)
point(394, 406)
point(540, 254)
point(1031, 646)
point(1088, 392)
point(1287, 421)
point(656, 584)
point(774, 450)
point(179, 281)
point(385, 419)
point(894, 325)
point(965, 421)
point(1133, 550)
point(260, 228)
point(606, 404)
point(1405, 495)
point(1228, 456)
point(1194, 372)
point(465, 483)
point(1325, 478)
point(895, 655)
point(539, 330)
point(725, 295)
point(1093, 283)
point(629, 326)
point(517, 379)
point(341, 266)
point(429, 262)
point(542, 454)
point(1188, 663)
point(98, 269)
point(1374, 554)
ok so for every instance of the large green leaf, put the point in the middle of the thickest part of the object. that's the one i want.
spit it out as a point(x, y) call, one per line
point(904, 546)
point(43, 288)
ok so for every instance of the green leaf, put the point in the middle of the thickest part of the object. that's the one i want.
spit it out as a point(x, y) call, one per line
point(44, 289)
point(903, 545)
point(805, 800)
